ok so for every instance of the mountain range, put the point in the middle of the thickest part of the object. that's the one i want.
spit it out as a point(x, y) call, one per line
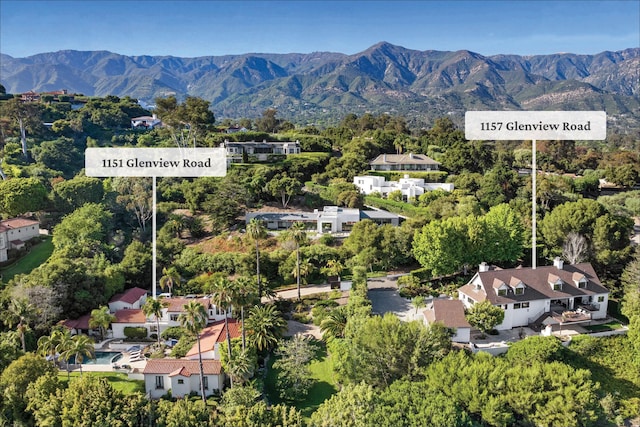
point(322, 87)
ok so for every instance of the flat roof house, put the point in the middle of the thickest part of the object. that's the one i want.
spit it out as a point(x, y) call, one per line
point(554, 294)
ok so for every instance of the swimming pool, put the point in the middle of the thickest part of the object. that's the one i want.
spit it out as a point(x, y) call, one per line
point(102, 358)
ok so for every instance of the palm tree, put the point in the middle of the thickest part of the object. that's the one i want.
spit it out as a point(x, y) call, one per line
point(256, 231)
point(175, 224)
point(79, 346)
point(153, 307)
point(170, 278)
point(20, 314)
point(266, 326)
point(47, 346)
point(222, 295)
point(335, 322)
point(101, 318)
point(63, 343)
point(194, 319)
point(298, 235)
point(244, 295)
point(241, 368)
point(302, 270)
point(334, 267)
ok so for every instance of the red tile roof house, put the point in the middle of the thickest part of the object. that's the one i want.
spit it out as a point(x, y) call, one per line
point(14, 232)
point(131, 298)
point(211, 337)
point(554, 294)
point(182, 377)
point(451, 314)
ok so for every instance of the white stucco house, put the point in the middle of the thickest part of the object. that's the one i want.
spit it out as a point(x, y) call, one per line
point(259, 151)
point(134, 317)
point(15, 232)
point(449, 312)
point(131, 298)
point(181, 377)
point(211, 337)
point(331, 219)
point(146, 122)
point(554, 294)
point(410, 187)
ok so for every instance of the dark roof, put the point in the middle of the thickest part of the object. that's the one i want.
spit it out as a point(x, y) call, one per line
point(450, 312)
point(537, 283)
point(379, 214)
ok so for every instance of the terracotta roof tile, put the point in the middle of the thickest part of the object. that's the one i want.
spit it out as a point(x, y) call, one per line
point(130, 315)
point(18, 223)
point(216, 333)
point(182, 367)
point(175, 305)
point(129, 296)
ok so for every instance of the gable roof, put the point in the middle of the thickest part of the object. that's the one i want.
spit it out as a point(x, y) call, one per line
point(403, 159)
point(182, 367)
point(81, 322)
point(215, 333)
point(536, 283)
point(129, 296)
point(14, 223)
point(130, 315)
point(450, 312)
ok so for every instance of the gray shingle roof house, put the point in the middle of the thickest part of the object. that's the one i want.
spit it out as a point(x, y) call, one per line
point(404, 162)
point(551, 294)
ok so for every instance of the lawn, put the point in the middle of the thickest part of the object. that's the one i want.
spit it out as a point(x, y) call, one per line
point(118, 381)
point(323, 388)
point(37, 256)
point(609, 326)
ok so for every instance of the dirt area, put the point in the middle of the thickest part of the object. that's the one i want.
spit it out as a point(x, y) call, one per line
point(294, 327)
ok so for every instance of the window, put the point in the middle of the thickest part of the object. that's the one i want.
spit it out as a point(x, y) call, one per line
point(525, 305)
point(557, 286)
point(601, 298)
point(174, 317)
point(180, 381)
point(502, 292)
point(582, 285)
point(519, 291)
point(517, 306)
point(159, 381)
point(206, 383)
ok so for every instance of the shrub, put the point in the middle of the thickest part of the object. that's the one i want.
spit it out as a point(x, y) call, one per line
point(175, 332)
point(138, 332)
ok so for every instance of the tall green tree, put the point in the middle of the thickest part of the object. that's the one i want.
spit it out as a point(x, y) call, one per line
point(186, 122)
point(19, 315)
point(134, 193)
point(79, 347)
point(257, 231)
point(245, 294)
point(631, 303)
point(294, 378)
point(170, 278)
point(223, 294)
point(194, 319)
point(21, 195)
point(297, 234)
point(283, 187)
point(84, 231)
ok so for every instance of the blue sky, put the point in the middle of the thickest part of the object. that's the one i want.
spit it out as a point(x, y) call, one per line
point(201, 28)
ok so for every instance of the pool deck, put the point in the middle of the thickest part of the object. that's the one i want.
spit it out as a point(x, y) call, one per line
point(136, 366)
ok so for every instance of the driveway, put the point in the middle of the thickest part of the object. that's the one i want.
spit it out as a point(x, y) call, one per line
point(383, 293)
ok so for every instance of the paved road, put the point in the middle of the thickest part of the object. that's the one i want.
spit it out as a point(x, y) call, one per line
point(383, 293)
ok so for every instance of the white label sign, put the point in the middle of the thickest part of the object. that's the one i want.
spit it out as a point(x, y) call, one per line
point(521, 125)
point(161, 162)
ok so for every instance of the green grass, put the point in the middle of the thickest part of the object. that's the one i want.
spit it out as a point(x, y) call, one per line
point(37, 256)
point(118, 381)
point(323, 388)
point(609, 326)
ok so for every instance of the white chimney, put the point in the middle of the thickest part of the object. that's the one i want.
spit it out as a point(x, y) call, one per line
point(411, 155)
point(558, 263)
point(483, 267)
point(384, 158)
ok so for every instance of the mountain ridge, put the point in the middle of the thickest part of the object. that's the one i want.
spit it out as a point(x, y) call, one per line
point(312, 87)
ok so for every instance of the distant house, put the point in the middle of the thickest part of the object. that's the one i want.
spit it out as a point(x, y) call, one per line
point(259, 151)
point(129, 318)
point(212, 336)
point(15, 232)
point(404, 162)
point(409, 187)
point(77, 326)
point(331, 219)
point(451, 314)
point(146, 122)
point(554, 294)
point(181, 377)
point(235, 129)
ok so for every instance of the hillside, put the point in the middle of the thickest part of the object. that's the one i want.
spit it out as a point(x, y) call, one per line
point(323, 86)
